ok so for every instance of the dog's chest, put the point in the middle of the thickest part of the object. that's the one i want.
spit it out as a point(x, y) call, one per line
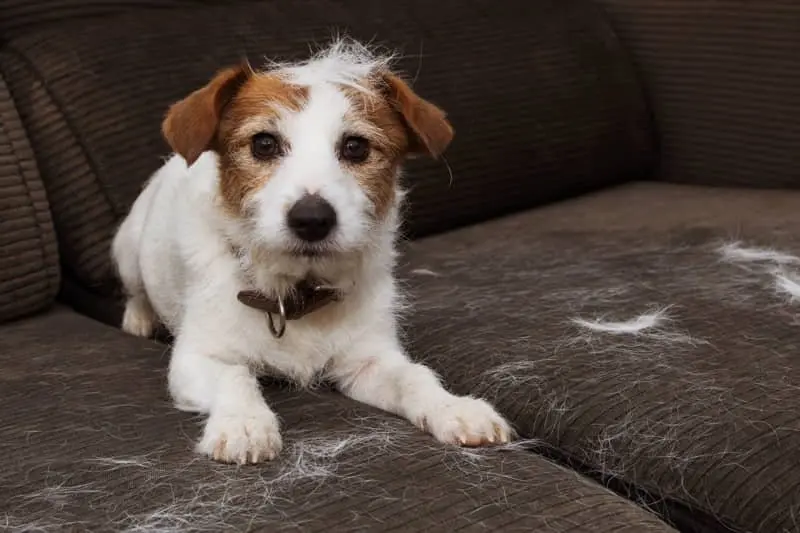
point(302, 353)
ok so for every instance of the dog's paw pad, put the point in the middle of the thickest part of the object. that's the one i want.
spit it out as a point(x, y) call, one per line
point(241, 438)
point(468, 422)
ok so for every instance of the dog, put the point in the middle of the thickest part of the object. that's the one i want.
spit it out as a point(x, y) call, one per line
point(266, 245)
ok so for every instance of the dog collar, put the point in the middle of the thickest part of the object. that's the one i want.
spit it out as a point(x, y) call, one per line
point(306, 297)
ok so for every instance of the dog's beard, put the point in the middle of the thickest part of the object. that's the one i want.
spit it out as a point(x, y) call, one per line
point(271, 269)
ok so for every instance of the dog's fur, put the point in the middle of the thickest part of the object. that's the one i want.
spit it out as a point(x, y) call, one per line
point(212, 222)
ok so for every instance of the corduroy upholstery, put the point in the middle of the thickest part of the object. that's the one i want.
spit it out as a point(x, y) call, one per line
point(702, 410)
point(18, 16)
point(29, 274)
point(722, 78)
point(543, 101)
point(119, 458)
point(694, 418)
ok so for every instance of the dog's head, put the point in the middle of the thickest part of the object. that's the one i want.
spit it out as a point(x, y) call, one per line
point(309, 153)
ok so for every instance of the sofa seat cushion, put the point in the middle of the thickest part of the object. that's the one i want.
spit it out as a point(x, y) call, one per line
point(91, 443)
point(616, 330)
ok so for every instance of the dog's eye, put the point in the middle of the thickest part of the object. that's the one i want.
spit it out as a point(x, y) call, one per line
point(265, 146)
point(355, 149)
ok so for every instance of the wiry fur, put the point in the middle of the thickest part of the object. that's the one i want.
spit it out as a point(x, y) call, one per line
point(212, 222)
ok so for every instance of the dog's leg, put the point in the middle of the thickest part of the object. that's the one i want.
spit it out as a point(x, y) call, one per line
point(377, 372)
point(241, 427)
point(139, 318)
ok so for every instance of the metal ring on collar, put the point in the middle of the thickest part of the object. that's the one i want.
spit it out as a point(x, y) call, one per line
point(281, 329)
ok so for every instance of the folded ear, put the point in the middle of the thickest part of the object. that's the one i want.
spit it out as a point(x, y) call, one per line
point(190, 126)
point(429, 131)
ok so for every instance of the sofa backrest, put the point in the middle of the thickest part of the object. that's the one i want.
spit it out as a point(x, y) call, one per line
point(543, 100)
point(723, 80)
point(18, 16)
point(29, 275)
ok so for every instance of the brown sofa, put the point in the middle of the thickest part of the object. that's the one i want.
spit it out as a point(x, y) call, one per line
point(604, 152)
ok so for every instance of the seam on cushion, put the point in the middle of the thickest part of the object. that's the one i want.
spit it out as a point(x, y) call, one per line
point(651, 166)
point(66, 120)
point(42, 229)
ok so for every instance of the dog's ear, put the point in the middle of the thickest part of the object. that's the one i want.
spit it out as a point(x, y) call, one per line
point(429, 131)
point(190, 126)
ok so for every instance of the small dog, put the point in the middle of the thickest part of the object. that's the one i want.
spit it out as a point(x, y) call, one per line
point(265, 244)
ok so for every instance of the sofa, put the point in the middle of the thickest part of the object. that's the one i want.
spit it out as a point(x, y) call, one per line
point(608, 252)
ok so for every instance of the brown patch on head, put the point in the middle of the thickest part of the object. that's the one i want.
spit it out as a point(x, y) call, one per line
point(253, 110)
point(401, 124)
point(376, 120)
point(216, 117)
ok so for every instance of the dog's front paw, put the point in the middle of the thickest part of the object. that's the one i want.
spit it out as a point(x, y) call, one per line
point(466, 421)
point(242, 438)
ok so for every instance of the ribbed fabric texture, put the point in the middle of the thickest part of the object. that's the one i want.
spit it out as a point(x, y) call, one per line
point(17, 16)
point(102, 449)
point(542, 99)
point(700, 406)
point(29, 275)
point(723, 79)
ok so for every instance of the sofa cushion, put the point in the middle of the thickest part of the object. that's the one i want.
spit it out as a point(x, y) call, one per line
point(91, 443)
point(721, 78)
point(638, 351)
point(29, 274)
point(541, 96)
point(657, 207)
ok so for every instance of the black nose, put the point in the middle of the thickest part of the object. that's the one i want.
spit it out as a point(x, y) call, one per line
point(312, 218)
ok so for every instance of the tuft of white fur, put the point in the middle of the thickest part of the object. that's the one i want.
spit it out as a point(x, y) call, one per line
point(175, 253)
point(651, 326)
point(344, 62)
point(788, 283)
point(767, 263)
point(425, 272)
point(735, 252)
point(635, 325)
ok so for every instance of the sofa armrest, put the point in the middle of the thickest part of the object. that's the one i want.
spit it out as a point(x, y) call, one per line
point(29, 273)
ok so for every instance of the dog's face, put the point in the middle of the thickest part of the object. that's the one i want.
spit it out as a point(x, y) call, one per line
point(309, 154)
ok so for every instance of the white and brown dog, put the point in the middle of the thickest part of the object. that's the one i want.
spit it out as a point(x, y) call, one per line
point(265, 244)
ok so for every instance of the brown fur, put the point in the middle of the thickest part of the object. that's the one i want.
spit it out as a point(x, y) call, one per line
point(211, 118)
point(190, 126)
point(389, 144)
point(407, 124)
point(430, 131)
point(261, 98)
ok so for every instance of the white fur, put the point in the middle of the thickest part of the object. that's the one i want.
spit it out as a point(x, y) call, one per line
point(633, 326)
point(736, 253)
point(175, 258)
point(788, 283)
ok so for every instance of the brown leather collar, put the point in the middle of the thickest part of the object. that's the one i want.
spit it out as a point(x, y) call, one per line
point(308, 296)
